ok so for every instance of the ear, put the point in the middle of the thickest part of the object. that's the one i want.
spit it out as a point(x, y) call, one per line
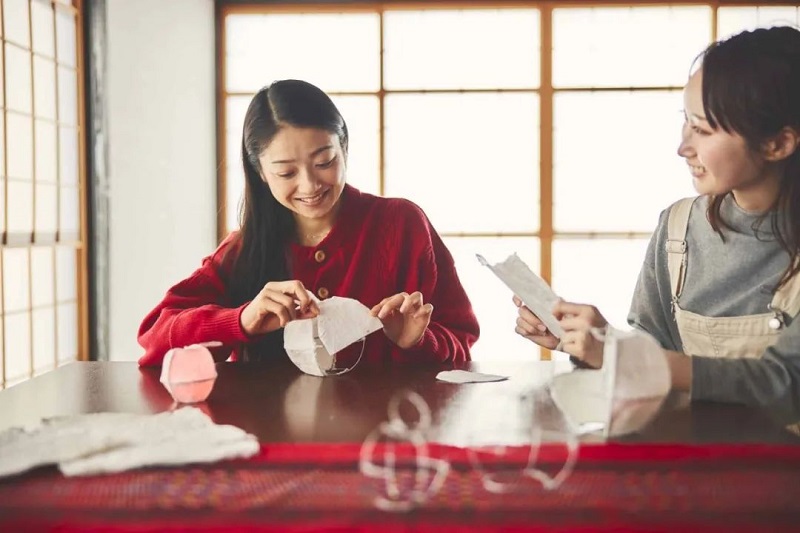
point(782, 145)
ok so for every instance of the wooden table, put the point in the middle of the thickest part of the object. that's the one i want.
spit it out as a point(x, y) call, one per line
point(277, 403)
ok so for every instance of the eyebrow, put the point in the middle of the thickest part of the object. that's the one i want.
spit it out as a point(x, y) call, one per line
point(314, 153)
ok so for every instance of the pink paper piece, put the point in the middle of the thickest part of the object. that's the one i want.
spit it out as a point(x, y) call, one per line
point(189, 373)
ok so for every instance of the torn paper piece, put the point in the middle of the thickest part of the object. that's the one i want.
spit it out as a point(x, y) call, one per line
point(534, 292)
point(312, 343)
point(625, 394)
point(464, 376)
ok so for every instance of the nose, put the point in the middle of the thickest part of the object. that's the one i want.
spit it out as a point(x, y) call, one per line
point(685, 148)
point(308, 181)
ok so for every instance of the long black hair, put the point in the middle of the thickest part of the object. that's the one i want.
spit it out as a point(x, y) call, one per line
point(751, 86)
point(266, 225)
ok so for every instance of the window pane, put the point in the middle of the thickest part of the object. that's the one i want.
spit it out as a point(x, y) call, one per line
point(615, 154)
point(471, 161)
point(361, 115)
point(15, 279)
point(731, 20)
point(15, 283)
point(20, 146)
point(43, 275)
point(67, 316)
point(454, 49)
point(2, 205)
point(66, 277)
point(593, 47)
point(44, 339)
point(46, 212)
point(491, 300)
point(600, 272)
point(2, 76)
point(335, 51)
point(44, 87)
point(18, 79)
point(68, 155)
point(46, 152)
point(42, 18)
point(66, 37)
point(20, 207)
point(67, 96)
point(69, 213)
point(18, 347)
point(16, 22)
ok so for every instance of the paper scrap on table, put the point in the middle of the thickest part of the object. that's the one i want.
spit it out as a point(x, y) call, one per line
point(464, 376)
point(622, 396)
point(312, 342)
point(113, 442)
point(534, 292)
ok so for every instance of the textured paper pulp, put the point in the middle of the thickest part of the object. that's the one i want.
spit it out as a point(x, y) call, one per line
point(312, 342)
point(534, 292)
point(189, 373)
point(464, 376)
point(113, 442)
point(625, 394)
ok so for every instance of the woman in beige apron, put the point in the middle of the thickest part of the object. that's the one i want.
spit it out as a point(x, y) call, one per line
point(741, 141)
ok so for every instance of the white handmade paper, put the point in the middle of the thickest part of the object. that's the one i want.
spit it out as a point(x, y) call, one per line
point(624, 395)
point(465, 376)
point(311, 343)
point(113, 442)
point(534, 292)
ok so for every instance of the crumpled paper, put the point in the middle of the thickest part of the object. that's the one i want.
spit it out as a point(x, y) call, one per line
point(622, 396)
point(312, 343)
point(113, 442)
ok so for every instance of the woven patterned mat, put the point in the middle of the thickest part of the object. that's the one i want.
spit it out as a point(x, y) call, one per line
point(315, 486)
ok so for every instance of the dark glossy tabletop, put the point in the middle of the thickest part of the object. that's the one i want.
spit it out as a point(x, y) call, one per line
point(278, 403)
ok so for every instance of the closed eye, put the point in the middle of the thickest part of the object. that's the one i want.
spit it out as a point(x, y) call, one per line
point(326, 164)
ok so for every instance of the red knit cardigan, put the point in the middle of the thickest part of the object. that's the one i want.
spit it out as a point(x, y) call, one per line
point(378, 247)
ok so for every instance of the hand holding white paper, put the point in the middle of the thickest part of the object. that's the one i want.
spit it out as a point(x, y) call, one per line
point(534, 292)
point(312, 343)
point(622, 396)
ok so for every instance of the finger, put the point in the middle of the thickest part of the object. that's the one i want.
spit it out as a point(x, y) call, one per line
point(570, 308)
point(528, 316)
point(283, 300)
point(280, 311)
point(424, 311)
point(527, 327)
point(391, 304)
point(377, 307)
point(411, 303)
point(575, 323)
point(517, 301)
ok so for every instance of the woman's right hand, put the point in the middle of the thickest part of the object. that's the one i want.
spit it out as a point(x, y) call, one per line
point(278, 303)
point(533, 329)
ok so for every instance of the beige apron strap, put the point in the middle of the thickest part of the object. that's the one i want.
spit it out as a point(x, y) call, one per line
point(787, 298)
point(675, 246)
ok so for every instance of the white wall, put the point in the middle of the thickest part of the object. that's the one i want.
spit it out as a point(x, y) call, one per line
point(161, 122)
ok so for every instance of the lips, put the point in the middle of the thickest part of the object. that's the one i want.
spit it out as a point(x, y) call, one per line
point(313, 200)
point(696, 170)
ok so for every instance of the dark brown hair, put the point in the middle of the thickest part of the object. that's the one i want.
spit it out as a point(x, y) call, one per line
point(751, 86)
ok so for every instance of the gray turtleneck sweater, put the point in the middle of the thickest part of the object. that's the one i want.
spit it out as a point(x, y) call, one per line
point(724, 279)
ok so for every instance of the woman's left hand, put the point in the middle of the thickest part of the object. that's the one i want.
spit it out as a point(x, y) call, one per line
point(405, 318)
point(578, 321)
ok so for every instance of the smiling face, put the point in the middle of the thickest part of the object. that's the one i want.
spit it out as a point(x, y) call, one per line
point(305, 170)
point(720, 162)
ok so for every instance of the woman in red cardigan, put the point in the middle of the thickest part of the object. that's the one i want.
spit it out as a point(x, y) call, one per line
point(303, 229)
